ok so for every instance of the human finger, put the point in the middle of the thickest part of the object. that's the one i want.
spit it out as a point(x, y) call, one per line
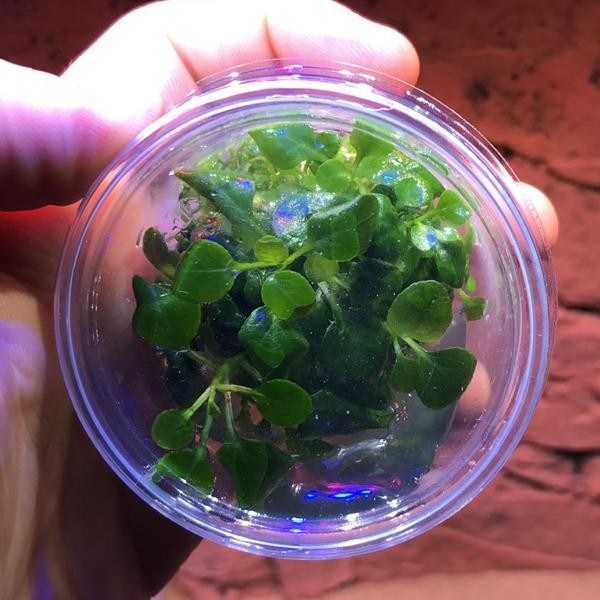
point(56, 134)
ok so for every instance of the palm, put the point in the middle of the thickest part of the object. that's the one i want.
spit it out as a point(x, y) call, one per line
point(60, 492)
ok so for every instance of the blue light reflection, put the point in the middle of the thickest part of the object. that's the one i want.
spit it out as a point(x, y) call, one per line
point(341, 492)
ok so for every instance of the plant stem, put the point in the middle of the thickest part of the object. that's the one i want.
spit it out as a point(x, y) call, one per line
point(304, 249)
point(397, 348)
point(247, 266)
point(164, 278)
point(189, 412)
point(239, 389)
point(339, 281)
point(335, 309)
point(251, 370)
point(208, 421)
point(229, 417)
point(206, 429)
point(426, 215)
point(202, 358)
point(222, 374)
point(415, 346)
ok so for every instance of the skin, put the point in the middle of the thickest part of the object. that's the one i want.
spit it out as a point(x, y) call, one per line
point(57, 498)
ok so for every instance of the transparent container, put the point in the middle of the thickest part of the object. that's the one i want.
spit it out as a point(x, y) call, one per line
point(369, 495)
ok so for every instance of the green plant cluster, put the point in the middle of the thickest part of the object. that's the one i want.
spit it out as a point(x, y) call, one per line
point(312, 276)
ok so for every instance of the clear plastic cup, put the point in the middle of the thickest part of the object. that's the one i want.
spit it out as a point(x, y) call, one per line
point(372, 493)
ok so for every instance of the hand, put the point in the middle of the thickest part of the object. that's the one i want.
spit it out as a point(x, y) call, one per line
point(56, 134)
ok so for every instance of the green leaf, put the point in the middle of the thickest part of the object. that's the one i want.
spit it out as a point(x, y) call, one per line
point(369, 144)
point(334, 233)
point(452, 209)
point(255, 467)
point(474, 307)
point(285, 291)
point(370, 168)
point(434, 161)
point(232, 196)
point(452, 263)
point(412, 191)
point(353, 357)
point(437, 233)
point(318, 268)
point(224, 314)
point(271, 250)
point(404, 374)
point(282, 402)
point(252, 286)
point(205, 273)
point(344, 230)
point(374, 284)
point(314, 324)
point(471, 284)
point(246, 463)
point(334, 176)
point(270, 340)
point(424, 236)
point(443, 376)
point(291, 214)
point(189, 466)
point(329, 143)
point(165, 321)
point(287, 145)
point(334, 415)
point(146, 291)
point(434, 185)
point(447, 248)
point(387, 191)
point(157, 252)
point(390, 240)
point(470, 238)
point(173, 429)
point(423, 311)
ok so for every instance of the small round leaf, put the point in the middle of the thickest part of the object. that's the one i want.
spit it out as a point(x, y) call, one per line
point(412, 191)
point(318, 268)
point(451, 260)
point(246, 463)
point(283, 402)
point(288, 144)
point(371, 168)
point(146, 291)
point(205, 273)
point(285, 291)
point(404, 374)
point(167, 322)
point(473, 306)
point(270, 339)
point(157, 252)
point(443, 376)
point(173, 429)
point(423, 311)
point(452, 209)
point(344, 230)
point(369, 144)
point(189, 466)
point(270, 249)
point(424, 237)
point(334, 176)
